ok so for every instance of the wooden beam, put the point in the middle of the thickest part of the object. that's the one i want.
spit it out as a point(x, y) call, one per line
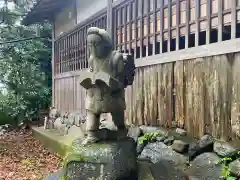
point(234, 19)
point(177, 23)
point(214, 49)
point(197, 8)
point(187, 23)
point(53, 65)
point(125, 28)
point(169, 25)
point(220, 19)
point(141, 28)
point(148, 25)
point(208, 26)
point(154, 26)
point(109, 18)
point(130, 18)
point(135, 26)
point(161, 26)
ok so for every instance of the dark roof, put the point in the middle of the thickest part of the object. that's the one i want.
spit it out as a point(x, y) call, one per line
point(44, 10)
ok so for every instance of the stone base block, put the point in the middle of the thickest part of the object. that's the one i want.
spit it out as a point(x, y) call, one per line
point(110, 160)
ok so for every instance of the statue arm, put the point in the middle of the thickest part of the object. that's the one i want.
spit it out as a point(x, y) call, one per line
point(90, 64)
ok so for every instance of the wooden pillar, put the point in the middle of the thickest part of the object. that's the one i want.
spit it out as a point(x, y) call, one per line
point(53, 64)
point(109, 17)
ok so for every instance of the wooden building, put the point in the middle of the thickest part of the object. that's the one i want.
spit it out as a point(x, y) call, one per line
point(187, 54)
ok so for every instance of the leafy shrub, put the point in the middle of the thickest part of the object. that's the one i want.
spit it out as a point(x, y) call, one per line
point(148, 137)
point(226, 171)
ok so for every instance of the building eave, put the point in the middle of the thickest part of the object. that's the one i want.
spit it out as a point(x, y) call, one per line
point(44, 10)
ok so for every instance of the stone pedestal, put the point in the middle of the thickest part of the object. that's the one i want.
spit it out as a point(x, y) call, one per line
point(110, 160)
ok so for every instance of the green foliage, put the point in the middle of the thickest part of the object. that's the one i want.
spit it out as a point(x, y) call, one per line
point(226, 171)
point(148, 137)
point(25, 68)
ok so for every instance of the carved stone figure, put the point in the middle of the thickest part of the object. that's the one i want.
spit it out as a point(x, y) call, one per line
point(65, 123)
point(109, 73)
point(53, 115)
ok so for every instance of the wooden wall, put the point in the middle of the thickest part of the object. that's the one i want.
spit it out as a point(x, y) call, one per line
point(202, 95)
point(69, 96)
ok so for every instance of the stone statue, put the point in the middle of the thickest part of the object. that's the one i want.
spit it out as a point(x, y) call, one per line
point(109, 73)
point(53, 115)
point(63, 124)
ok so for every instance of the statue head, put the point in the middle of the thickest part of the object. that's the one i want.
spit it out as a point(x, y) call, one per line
point(99, 42)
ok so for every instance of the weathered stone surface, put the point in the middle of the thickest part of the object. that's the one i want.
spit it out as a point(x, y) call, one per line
point(150, 129)
point(204, 167)
point(166, 170)
point(161, 138)
point(181, 132)
point(224, 149)
point(107, 160)
point(139, 148)
point(235, 167)
point(75, 131)
point(134, 132)
point(205, 144)
point(180, 146)
point(169, 141)
point(144, 171)
point(158, 151)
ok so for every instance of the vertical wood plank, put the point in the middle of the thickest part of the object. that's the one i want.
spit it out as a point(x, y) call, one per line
point(141, 29)
point(177, 23)
point(135, 26)
point(154, 27)
point(161, 26)
point(109, 17)
point(114, 28)
point(233, 23)
point(169, 25)
point(187, 23)
point(130, 26)
point(53, 65)
point(197, 8)
point(220, 19)
point(81, 49)
point(208, 26)
point(125, 27)
point(148, 24)
point(120, 25)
